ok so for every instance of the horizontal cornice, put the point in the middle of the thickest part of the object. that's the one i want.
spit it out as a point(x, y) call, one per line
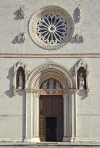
point(59, 55)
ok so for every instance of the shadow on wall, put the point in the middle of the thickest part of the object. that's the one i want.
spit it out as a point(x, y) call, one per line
point(82, 93)
point(16, 13)
point(71, 70)
point(15, 40)
point(9, 92)
point(75, 16)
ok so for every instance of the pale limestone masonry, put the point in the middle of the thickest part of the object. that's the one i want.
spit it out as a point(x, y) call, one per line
point(19, 109)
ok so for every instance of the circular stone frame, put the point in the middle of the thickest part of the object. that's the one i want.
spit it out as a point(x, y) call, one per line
point(44, 11)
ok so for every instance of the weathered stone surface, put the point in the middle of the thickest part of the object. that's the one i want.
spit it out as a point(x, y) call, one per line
point(13, 108)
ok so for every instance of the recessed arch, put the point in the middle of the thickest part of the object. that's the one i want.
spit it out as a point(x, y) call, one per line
point(48, 70)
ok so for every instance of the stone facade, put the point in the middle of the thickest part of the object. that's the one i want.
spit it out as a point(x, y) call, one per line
point(19, 108)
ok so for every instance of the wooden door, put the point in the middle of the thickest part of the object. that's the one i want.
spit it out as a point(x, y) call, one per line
point(51, 106)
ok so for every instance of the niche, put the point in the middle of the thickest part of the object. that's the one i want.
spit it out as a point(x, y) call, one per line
point(81, 78)
point(20, 79)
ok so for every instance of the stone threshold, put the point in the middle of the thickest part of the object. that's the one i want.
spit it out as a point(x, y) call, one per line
point(50, 144)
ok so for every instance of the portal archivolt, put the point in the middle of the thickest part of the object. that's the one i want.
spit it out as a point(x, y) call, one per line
point(50, 70)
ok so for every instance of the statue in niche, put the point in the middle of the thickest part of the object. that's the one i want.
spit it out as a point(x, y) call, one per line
point(20, 81)
point(44, 86)
point(51, 85)
point(57, 85)
point(81, 82)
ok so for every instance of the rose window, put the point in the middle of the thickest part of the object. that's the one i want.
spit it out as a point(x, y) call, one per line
point(52, 28)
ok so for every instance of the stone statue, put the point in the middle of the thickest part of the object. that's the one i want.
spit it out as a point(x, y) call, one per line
point(21, 13)
point(81, 82)
point(51, 85)
point(57, 85)
point(21, 37)
point(44, 86)
point(20, 81)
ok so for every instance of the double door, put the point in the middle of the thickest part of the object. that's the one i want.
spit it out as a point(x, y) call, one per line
point(51, 118)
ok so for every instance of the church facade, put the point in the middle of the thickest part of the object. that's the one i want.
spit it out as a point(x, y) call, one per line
point(49, 63)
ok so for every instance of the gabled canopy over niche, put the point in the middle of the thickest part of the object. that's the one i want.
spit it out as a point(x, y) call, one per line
point(81, 76)
point(20, 77)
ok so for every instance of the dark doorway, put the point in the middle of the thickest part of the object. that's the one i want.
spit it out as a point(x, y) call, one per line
point(51, 128)
point(51, 117)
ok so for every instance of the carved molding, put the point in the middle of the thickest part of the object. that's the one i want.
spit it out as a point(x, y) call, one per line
point(77, 37)
point(11, 115)
point(16, 67)
point(47, 70)
point(60, 55)
point(79, 16)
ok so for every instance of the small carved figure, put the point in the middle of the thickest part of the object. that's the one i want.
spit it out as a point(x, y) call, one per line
point(20, 81)
point(44, 86)
point(57, 85)
point(21, 13)
point(21, 37)
point(81, 82)
point(51, 85)
point(77, 37)
point(79, 13)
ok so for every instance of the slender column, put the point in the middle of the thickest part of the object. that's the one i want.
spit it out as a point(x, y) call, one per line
point(73, 115)
point(14, 80)
point(70, 114)
point(73, 118)
point(35, 137)
point(28, 117)
point(31, 115)
point(76, 75)
point(37, 115)
point(34, 115)
point(66, 116)
point(87, 87)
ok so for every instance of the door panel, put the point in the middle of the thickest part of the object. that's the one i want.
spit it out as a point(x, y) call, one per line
point(51, 106)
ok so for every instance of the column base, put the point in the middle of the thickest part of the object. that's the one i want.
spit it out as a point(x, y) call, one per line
point(34, 139)
point(70, 139)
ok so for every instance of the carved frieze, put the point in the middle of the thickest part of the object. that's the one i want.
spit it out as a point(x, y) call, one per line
point(51, 84)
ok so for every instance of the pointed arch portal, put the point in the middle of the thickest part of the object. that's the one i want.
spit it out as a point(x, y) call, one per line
point(34, 91)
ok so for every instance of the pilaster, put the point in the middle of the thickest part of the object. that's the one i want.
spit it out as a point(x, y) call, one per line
point(28, 116)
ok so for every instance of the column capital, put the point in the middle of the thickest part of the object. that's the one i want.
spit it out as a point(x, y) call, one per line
point(73, 91)
point(68, 91)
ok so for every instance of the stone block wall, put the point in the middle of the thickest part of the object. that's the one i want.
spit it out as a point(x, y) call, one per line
point(12, 108)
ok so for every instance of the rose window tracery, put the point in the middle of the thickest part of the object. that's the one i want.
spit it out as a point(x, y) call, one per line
point(52, 28)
